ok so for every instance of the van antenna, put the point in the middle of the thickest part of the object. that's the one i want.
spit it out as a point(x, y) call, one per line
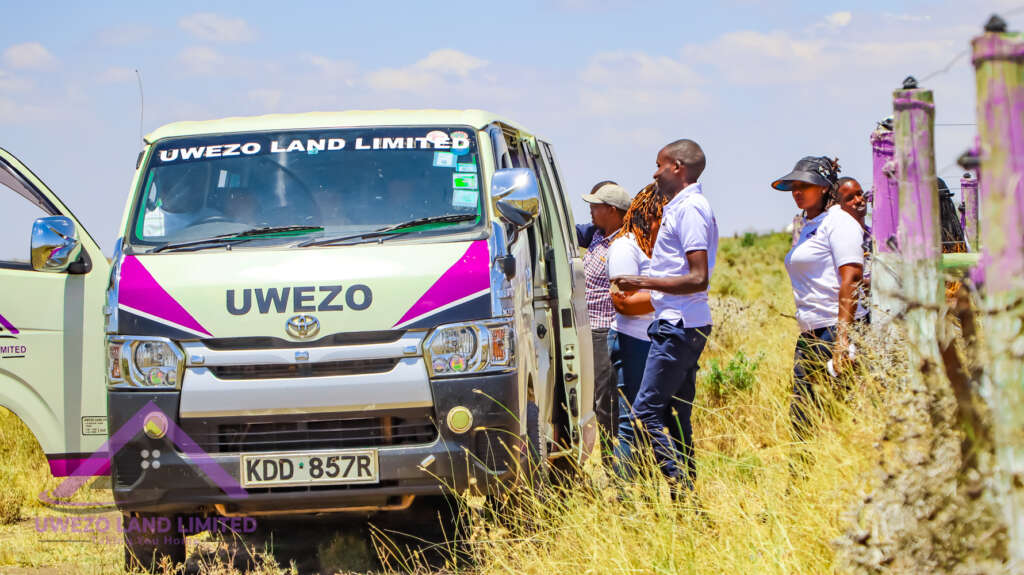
point(142, 103)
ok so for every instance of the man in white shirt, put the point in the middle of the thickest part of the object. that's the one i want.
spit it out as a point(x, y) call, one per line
point(681, 266)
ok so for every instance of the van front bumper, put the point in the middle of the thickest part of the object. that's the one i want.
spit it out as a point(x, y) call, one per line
point(173, 474)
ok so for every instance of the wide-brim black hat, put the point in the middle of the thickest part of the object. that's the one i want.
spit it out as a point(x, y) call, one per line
point(811, 170)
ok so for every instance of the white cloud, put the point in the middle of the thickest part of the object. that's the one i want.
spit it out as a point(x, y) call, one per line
point(117, 75)
point(450, 62)
point(839, 19)
point(439, 68)
point(216, 28)
point(8, 110)
point(904, 17)
point(200, 60)
point(585, 5)
point(267, 100)
point(28, 56)
point(748, 57)
point(11, 83)
point(636, 83)
point(127, 35)
point(331, 69)
point(613, 68)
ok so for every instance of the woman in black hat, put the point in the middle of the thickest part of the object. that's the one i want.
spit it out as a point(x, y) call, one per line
point(824, 267)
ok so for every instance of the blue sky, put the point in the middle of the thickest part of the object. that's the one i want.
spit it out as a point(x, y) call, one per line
point(758, 84)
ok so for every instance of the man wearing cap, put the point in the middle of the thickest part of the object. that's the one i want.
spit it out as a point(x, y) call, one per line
point(608, 204)
point(681, 265)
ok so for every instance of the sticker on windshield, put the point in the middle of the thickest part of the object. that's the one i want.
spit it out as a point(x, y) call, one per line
point(464, 198)
point(437, 137)
point(153, 224)
point(460, 167)
point(462, 181)
point(444, 160)
point(458, 143)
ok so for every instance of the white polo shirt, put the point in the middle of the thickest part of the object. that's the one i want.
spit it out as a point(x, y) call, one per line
point(687, 225)
point(829, 241)
point(625, 258)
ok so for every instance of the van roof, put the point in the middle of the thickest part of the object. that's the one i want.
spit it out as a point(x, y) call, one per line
point(313, 120)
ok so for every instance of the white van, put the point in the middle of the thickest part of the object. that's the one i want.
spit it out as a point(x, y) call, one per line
point(305, 313)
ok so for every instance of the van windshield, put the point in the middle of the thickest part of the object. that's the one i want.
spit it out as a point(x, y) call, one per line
point(313, 183)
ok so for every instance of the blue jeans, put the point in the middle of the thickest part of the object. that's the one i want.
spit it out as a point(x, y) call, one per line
point(665, 399)
point(629, 356)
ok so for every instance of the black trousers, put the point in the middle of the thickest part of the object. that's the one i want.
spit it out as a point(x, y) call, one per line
point(606, 400)
point(810, 371)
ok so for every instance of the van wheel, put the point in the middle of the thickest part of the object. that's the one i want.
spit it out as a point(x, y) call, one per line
point(536, 460)
point(149, 538)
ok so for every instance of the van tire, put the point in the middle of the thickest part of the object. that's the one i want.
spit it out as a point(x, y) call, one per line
point(145, 549)
point(536, 464)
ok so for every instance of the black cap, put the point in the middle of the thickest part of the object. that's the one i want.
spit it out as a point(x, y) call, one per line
point(817, 171)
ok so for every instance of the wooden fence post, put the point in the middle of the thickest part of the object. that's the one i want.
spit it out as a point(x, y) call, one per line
point(969, 193)
point(884, 222)
point(918, 234)
point(998, 59)
point(884, 190)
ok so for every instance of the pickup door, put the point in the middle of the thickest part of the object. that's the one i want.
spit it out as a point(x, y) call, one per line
point(51, 328)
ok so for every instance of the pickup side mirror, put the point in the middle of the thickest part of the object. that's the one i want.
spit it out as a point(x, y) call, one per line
point(55, 244)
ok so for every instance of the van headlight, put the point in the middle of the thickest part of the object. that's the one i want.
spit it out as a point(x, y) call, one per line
point(144, 362)
point(470, 347)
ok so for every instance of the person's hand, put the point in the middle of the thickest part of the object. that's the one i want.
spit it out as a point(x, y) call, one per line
point(629, 283)
point(619, 296)
point(840, 355)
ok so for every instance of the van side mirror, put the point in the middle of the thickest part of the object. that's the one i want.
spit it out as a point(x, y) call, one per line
point(507, 265)
point(55, 244)
point(516, 188)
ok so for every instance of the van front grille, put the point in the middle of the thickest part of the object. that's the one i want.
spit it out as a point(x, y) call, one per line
point(300, 370)
point(338, 339)
point(310, 433)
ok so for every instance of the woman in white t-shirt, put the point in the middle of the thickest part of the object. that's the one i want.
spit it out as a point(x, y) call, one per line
point(825, 268)
point(628, 343)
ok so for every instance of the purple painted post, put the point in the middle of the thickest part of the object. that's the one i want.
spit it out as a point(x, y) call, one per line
point(914, 138)
point(885, 191)
point(969, 193)
point(998, 59)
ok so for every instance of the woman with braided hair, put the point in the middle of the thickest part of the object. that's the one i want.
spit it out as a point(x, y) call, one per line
point(825, 268)
point(628, 342)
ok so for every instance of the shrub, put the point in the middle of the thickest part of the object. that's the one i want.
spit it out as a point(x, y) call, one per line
point(734, 377)
point(748, 239)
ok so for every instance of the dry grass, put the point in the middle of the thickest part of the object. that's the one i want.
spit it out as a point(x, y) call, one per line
point(763, 503)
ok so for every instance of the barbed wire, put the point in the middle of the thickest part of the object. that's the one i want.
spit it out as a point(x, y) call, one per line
point(945, 68)
point(964, 52)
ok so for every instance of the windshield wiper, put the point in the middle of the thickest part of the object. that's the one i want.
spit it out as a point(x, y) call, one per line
point(389, 230)
point(235, 238)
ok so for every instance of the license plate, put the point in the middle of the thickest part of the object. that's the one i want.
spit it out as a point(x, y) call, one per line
point(317, 468)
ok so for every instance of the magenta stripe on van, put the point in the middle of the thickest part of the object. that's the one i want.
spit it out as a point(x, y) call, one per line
point(469, 275)
point(68, 467)
point(7, 325)
point(140, 291)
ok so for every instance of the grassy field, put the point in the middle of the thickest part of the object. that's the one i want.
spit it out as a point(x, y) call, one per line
point(763, 503)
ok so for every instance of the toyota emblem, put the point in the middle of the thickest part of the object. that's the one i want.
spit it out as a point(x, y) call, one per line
point(302, 326)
